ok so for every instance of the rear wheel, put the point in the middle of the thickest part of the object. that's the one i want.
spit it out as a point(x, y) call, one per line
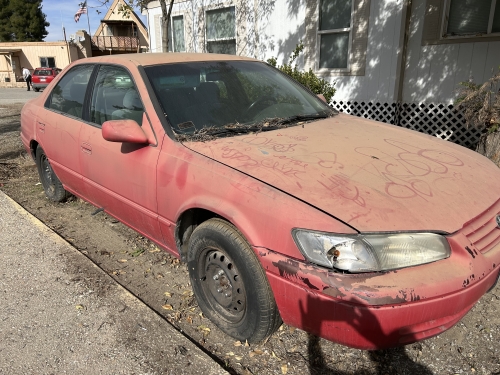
point(229, 283)
point(36, 89)
point(53, 188)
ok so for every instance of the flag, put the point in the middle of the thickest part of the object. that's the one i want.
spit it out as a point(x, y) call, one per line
point(82, 10)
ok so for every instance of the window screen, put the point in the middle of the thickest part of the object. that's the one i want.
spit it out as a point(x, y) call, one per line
point(469, 16)
point(221, 31)
point(47, 62)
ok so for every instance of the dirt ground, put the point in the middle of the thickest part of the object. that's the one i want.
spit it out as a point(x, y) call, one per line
point(472, 346)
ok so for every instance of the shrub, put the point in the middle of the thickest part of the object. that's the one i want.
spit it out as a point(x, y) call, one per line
point(481, 103)
point(308, 78)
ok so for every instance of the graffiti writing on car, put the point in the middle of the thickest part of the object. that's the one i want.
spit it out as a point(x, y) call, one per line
point(402, 171)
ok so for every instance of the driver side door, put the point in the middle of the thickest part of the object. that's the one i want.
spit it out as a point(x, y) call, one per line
point(120, 177)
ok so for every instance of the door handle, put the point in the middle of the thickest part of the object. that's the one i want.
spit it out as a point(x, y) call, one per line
point(86, 148)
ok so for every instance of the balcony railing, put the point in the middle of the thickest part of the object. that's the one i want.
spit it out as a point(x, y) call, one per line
point(116, 43)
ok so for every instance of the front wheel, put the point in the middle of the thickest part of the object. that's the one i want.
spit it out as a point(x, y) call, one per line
point(53, 188)
point(229, 283)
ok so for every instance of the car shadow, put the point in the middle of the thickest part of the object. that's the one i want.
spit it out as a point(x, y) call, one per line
point(385, 361)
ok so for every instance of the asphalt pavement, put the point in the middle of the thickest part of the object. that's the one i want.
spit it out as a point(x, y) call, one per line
point(61, 314)
point(16, 95)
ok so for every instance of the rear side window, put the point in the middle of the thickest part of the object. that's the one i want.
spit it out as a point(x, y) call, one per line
point(115, 97)
point(69, 93)
point(42, 72)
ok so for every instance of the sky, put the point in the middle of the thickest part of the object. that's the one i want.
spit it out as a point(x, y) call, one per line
point(62, 12)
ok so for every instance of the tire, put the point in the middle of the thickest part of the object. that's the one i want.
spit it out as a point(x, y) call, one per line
point(229, 283)
point(53, 188)
point(36, 89)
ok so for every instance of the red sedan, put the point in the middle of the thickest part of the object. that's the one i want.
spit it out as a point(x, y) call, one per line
point(363, 233)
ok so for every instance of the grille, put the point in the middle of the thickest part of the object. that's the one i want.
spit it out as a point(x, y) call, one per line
point(483, 231)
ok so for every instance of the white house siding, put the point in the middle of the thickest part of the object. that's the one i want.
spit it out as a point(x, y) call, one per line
point(272, 28)
point(378, 83)
point(433, 72)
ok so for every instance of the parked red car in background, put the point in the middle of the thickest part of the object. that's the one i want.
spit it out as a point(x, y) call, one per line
point(42, 77)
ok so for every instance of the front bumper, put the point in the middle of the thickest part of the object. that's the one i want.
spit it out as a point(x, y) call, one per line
point(381, 310)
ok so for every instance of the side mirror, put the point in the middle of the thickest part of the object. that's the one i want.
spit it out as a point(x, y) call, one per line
point(322, 97)
point(123, 131)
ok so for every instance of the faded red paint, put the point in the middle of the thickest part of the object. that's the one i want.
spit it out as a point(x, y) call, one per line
point(339, 175)
point(374, 176)
point(400, 306)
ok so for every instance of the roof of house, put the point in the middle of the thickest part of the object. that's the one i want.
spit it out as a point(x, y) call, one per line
point(132, 18)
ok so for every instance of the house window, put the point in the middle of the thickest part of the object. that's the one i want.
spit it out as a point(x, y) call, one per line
point(334, 33)
point(221, 31)
point(47, 62)
point(473, 17)
point(176, 38)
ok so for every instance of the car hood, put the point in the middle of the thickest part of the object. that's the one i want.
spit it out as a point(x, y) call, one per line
point(373, 176)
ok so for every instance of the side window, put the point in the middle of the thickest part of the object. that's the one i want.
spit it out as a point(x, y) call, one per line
point(115, 97)
point(69, 93)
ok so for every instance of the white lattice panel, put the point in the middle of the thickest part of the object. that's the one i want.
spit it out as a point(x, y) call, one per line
point(439, 120)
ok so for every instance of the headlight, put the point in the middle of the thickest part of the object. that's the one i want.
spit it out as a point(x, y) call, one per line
point(370, 252)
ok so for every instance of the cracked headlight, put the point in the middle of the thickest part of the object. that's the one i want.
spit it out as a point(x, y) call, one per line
point(370, 252)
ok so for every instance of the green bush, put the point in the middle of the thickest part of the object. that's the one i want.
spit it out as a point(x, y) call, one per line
point(308, 79)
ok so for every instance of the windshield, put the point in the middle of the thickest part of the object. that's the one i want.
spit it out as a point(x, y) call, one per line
point(230, 94)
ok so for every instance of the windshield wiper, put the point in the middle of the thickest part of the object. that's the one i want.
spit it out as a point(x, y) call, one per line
point(300, 118)
point(208, 133)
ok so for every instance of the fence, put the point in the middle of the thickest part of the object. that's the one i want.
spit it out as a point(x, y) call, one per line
point(439, 120)
point(115, 43)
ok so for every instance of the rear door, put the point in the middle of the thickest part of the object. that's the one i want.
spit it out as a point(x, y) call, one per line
point(59, 123)
point(120, 177)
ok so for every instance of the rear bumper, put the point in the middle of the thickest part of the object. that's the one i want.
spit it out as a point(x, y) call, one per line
point(39, 85)
point(375, 311)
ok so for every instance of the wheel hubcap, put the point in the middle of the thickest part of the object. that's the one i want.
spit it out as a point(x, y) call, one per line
point(223, 283)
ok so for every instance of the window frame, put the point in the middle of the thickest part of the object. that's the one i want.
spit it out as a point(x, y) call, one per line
point(183, 31)
point(319, 33)
point(435, 14)
point(47, 60)
point(235, 38)
point(85, 106)
point(170, 26)
point(445, 18)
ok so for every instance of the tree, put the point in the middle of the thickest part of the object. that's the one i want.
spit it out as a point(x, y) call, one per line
point(22, 21)
point(166, 11)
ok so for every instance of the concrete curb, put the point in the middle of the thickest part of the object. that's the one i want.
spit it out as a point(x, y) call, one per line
point(60, 313)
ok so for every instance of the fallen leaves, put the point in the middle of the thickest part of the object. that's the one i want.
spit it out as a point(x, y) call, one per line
point(255, 352)
point(167, 307)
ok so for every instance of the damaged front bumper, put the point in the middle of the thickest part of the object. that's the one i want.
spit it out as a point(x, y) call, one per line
point(381, 310)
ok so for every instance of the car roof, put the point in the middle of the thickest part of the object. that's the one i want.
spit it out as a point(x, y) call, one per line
point(146, 59)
